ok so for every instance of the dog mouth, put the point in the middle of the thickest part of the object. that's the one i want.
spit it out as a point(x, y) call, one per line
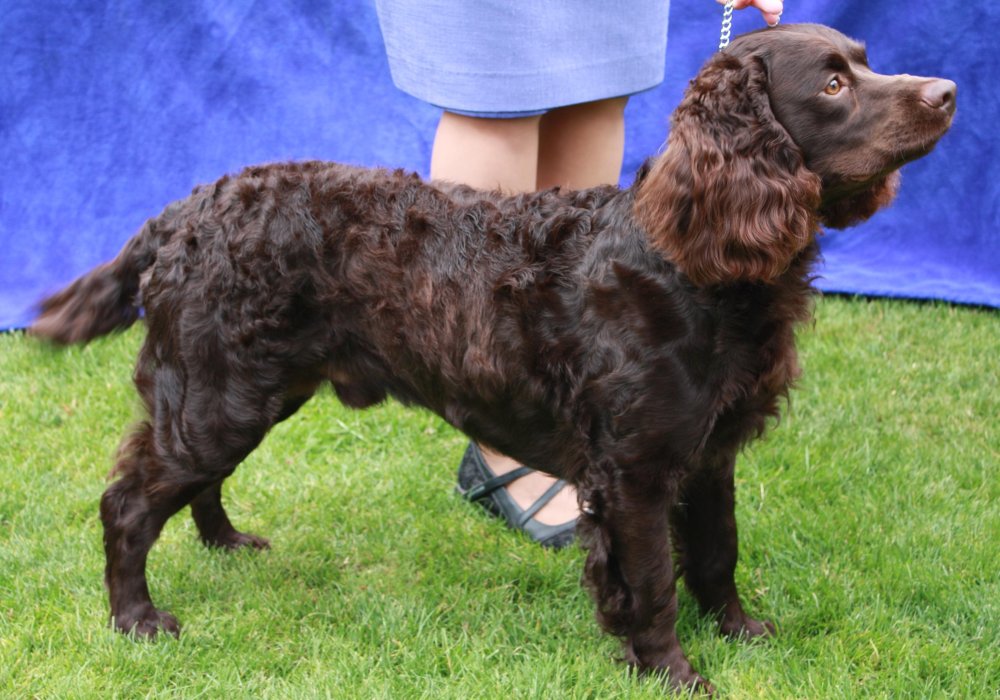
point(840, 186)
point(935, 124)
point(922, 148)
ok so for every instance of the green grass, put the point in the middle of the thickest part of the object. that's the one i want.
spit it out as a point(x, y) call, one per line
point(870, 532)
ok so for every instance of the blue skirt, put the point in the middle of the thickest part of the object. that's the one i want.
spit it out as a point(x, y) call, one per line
point(518, 57)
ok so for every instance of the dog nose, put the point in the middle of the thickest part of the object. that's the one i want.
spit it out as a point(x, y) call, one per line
point(939, 94)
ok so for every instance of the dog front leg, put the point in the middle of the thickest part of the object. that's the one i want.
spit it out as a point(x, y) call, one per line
point(630, 573)
point(704, 523)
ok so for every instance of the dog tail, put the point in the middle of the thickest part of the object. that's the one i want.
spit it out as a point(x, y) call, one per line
point(103, 300)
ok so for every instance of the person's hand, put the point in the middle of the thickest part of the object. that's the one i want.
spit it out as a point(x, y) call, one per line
point(770, 9)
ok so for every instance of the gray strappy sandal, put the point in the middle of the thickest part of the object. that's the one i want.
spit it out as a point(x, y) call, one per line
point(476, 483)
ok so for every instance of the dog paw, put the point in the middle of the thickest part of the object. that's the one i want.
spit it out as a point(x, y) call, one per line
point(701, 687)
point(745, 627)
point(686, 682)
point(237, 540)
point(147, 623)
point(674, 670)
point(693, 685)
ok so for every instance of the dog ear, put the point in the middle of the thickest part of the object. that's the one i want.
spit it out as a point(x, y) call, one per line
point(730, 199)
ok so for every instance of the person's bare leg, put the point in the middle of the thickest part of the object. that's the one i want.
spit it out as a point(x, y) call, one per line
point(486, 153)
point(499, 154)
point(579, 146)
point(582, 145)
point(576, 147)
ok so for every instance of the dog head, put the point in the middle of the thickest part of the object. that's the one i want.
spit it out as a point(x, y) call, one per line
point(785, 129)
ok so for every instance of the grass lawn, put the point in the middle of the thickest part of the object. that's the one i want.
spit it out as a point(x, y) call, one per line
point(870, 532)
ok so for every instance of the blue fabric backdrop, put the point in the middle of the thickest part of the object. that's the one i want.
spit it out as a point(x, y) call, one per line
point(110, 110)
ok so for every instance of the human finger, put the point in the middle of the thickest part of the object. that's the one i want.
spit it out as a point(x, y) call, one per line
point(770, 10)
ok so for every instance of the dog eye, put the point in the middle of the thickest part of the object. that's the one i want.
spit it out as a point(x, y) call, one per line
point(833, 87)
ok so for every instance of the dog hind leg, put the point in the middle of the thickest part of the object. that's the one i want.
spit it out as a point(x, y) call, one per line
point(214, 527)
point(133, 511)
point(197, 434)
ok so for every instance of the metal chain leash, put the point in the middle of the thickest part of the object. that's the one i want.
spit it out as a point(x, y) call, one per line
point(727, 24)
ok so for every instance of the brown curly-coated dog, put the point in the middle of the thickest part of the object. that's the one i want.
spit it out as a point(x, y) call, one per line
point(629, 341)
